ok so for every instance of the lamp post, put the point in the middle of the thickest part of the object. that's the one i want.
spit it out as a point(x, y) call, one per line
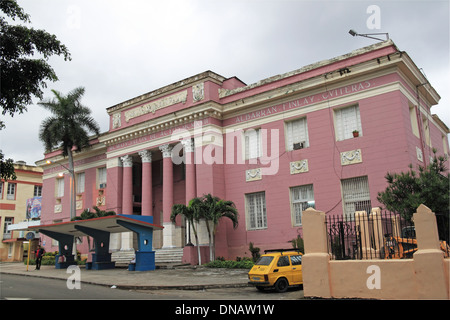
point(72, 200)
point(369, 35)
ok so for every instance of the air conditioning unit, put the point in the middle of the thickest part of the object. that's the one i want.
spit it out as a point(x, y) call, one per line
point(102, 185)
point(298, 145)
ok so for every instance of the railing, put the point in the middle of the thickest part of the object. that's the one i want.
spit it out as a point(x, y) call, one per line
point(378, 235)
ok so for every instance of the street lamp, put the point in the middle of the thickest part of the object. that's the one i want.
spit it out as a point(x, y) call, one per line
point(72, 198)
point(369, 35)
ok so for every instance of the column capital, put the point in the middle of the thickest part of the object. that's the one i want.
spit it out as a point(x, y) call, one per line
point(146, 155)
point(188, 145)
point(166, 150)
point(127, 161)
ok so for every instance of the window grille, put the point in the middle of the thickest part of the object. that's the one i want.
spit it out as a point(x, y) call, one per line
point(253, 148)
point(356, 195)
point(302, 197)
point(11, 192)
point(80, 182)
point(60, 187)
point(256, 210)
point(37, 191)
point(347, 120)
point(297, 132)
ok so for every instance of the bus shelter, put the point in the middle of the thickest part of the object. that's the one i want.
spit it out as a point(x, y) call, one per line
point(100, 229)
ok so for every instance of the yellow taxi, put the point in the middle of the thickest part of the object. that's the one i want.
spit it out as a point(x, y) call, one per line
point(277, 269)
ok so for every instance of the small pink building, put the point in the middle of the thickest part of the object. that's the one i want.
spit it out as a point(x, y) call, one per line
point(274, 148)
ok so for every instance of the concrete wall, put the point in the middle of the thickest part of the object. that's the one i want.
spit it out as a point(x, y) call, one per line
point(426, 276)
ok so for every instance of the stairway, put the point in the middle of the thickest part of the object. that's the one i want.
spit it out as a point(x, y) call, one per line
point(162, 256)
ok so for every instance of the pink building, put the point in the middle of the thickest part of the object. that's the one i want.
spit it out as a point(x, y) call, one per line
point(274, 148)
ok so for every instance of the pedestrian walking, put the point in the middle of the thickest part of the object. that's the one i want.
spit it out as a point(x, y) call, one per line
point(39, 253)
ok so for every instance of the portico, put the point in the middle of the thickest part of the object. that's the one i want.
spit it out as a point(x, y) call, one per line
point(149, 182)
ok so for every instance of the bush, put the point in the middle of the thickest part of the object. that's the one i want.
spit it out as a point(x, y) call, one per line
point(244, 263)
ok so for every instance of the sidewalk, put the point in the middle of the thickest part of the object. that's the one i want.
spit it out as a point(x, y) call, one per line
point(181, 278)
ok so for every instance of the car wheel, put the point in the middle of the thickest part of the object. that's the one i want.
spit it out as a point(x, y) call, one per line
point(281, 285)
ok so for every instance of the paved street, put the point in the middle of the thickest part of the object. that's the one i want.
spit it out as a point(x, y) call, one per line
point(14, 287)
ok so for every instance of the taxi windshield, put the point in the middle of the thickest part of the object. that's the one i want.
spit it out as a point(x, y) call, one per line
point(264, 261)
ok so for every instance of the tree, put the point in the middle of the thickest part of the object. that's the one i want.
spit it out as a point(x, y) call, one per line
point(67, 128)
point(192, 213)
point(407, 190)
point(23, 75)
point(213, 209)
point(6, 168)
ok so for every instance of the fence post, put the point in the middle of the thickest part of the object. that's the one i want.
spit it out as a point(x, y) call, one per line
point(432, 280)
point(315, 262)
point(377, 229)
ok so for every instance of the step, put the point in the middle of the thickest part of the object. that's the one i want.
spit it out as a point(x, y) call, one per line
point(173, 255)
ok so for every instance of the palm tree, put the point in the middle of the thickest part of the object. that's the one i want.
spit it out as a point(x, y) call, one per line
point(67, 128)
point(213, 209)
point(191, 212)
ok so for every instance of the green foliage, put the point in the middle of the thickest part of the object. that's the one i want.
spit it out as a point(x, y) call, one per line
point(298, 244)
point(24, 74)
point(243, 263)
point(7, 168)
point(87, 214)
point(254, 251)
point(70, 123)
point(407, 190)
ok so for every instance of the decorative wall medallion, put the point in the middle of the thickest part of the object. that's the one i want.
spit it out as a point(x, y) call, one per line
point(117, 122)
point(419, 154)
point(351, 157)
point(198, 92)
point(58, 208)
point(253, 174)
point(299, 166)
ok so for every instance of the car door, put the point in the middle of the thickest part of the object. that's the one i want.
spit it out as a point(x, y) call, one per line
point(297, 275)
point(284, 268)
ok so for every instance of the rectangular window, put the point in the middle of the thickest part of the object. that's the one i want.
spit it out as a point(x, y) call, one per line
point(37, 191)
point(413, 117)
point(80, 182)
point(253, 147)
point(59, 188)
point(346, 121)
point(302, 197)
point(1, 189)
point(11, 192)
point(256, 211)
point(7, 233)
point(297, 133)
point(356, 195)
point(426, 130)
point(101, 177)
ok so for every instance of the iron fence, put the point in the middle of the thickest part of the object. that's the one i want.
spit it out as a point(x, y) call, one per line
point(378, 235)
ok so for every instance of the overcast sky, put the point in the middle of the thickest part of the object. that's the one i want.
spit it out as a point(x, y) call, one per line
point(122, 49)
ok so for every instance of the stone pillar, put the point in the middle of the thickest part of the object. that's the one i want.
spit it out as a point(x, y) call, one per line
point(114, 178)
point(169, 227)
point(127, 199)
point(147, 192)
point(190, 170)
point(316, 261)
point(429, 265)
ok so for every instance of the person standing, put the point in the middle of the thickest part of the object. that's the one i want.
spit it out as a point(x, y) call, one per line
point(39, 253)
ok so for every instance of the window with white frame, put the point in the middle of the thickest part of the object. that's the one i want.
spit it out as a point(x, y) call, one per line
point(37, 191)
point(356, 195)
point(302, 197)
point(1, 189)
point(253, 147)
point(80, 182)
point(256, 210)
point(59, 187)
point(11, 191)
point(347, 120)
point(7, 233)
point(101, 177)
point(297, 133)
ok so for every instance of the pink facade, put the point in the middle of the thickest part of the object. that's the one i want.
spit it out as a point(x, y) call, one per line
point(299, 153)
